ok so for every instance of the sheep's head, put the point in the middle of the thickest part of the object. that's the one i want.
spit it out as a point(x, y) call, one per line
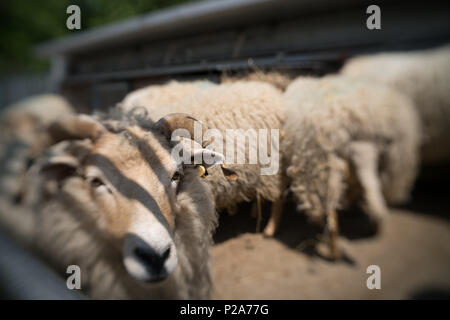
point(129, 184)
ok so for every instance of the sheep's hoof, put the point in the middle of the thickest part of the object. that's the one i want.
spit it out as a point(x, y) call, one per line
point(335, 253)
point(328, 251)
point(269, 231)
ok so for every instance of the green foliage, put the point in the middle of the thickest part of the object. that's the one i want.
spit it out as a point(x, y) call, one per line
point(25, 23)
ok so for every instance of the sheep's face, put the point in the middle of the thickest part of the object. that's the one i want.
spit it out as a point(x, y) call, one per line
point(134, 183)
point(129, 188)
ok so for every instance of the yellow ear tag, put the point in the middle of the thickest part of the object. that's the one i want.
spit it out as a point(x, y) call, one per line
point(201, 171)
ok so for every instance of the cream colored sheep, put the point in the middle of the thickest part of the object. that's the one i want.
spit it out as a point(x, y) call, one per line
point(348, 143)
point(239, 105)
point(277, 79)
point(43, 108)
point(424, 76)
point(23, 137)
point(117, 204)
point(159, 96)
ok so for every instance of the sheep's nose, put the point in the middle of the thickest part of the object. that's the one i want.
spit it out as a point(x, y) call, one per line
point(153, 261)
point(147, 262)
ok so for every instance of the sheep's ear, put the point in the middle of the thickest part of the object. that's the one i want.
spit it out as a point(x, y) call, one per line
point(75, 127)
point(211, 158)
point(60, 167)
point(229, 174)
point(64, 159)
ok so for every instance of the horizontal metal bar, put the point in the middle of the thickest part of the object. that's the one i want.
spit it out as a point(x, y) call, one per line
point(300, 61)
point(179, 20)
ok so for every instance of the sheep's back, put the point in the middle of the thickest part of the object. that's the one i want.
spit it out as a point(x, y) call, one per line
point(238, 105)
point(160, 96)
point(424, 76)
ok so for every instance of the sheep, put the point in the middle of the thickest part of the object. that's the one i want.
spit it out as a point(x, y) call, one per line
point(241, 105)
point(157, 96)
point(424, 77)
point(23, 138)
point(29, 117)
point(109, 197)
point(275, 78)
point(348, 143)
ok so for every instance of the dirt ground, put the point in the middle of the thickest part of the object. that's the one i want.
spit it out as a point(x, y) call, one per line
point(412, 251)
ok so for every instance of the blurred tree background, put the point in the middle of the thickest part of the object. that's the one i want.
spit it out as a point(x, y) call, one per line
point(25, 23)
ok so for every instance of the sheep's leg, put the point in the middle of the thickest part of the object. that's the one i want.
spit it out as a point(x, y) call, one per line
point(275, 217)
point(254, 209)
point(257, 212)
point(333, 233)
point(334, 193)
point(365, 159)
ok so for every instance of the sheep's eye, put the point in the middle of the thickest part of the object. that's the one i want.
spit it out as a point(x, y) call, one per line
point(176, 177)
point(96, 182)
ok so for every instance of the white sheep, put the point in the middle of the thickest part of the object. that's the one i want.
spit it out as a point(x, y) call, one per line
point(120, 159)
point(239, 105)
point(347, 143)
point(159, 96)
point(117, 204)
point(277, 79)
point(424, 76)
point(23, 137)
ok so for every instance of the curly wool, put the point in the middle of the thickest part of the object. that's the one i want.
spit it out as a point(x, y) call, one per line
point(277, 79)
point(323, 117)
point(159, 96)
point(424, 76)
point(239, 105)
point(23, 137)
